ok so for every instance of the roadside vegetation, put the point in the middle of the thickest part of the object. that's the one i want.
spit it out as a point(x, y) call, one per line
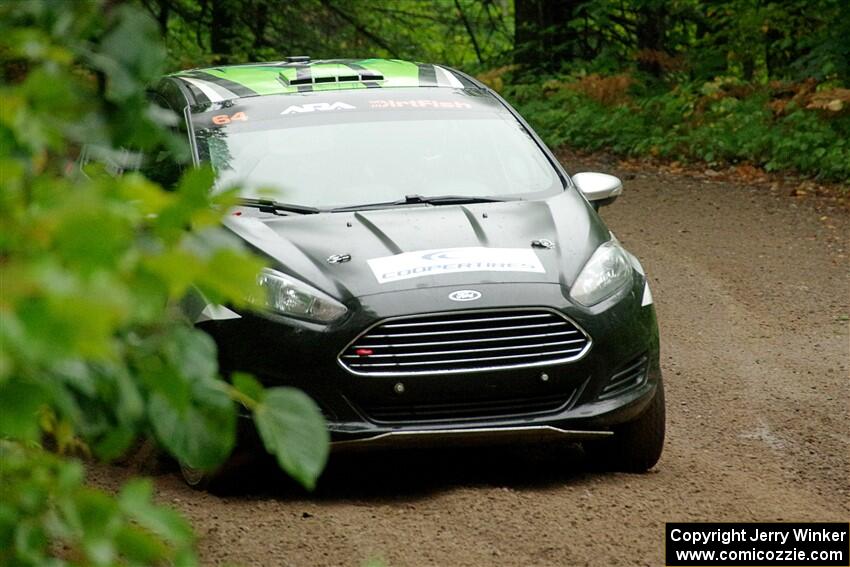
point(731, 82)
point(778, 127)
point(95, 356)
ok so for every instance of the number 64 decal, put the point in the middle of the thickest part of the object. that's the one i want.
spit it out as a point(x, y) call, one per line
point(227, 119)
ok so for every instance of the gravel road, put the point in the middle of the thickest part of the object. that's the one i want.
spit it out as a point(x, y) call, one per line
point(752, 292)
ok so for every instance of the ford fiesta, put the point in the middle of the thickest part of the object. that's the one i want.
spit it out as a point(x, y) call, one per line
point(437, 276)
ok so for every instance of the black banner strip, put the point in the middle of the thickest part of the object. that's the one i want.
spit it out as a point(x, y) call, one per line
point(303, 73)
point(359, 69)
point(234, 87)
point(427, 75)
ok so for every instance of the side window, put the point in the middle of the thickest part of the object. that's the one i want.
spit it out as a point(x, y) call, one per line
point(160, 164)
point(95, 160)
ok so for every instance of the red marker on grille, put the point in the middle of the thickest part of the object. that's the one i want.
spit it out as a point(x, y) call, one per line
point(363, 352)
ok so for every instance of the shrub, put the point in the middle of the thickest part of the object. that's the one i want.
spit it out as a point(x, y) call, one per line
point(721, 122)
point(94, 353)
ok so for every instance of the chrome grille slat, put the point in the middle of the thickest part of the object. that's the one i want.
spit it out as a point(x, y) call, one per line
point(509, 338)
point(459, 321)
point(463, 351)
point(434, 343)
point(481, 358)
point(461, 331)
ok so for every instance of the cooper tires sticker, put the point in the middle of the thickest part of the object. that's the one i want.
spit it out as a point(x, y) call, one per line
point(452, 260)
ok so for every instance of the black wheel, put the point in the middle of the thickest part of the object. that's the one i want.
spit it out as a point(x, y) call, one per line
point(226, 479)
point(196, 478)
point(636, 445)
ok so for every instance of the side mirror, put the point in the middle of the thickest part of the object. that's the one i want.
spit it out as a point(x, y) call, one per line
point(599, 188)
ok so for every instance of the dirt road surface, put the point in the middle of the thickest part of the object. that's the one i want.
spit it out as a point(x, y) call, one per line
point(752, 293)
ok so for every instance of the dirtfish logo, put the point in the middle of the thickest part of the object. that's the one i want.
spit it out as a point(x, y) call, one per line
point(317, 107)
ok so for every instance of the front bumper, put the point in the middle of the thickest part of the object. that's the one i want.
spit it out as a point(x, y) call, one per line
point(282, 351)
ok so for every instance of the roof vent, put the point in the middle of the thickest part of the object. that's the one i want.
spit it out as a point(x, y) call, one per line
point(317, 80)
point(298, 59)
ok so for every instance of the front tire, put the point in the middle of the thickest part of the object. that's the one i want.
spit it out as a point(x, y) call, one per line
point(195, 478)
point(636, 445)
point(226, 479)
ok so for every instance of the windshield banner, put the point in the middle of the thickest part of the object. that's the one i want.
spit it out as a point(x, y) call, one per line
point(451, 260)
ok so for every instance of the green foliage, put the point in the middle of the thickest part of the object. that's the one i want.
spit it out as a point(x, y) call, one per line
point(292, 432)
point(685, 125)
point(456, 32)
point(191, 413)
point(47, 512)
point(690, 40)
point(290, 426)
point(708, 82)
point(94, 351)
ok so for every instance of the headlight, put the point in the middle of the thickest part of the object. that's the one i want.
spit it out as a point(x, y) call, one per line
point(606, 272)
point(297, 299)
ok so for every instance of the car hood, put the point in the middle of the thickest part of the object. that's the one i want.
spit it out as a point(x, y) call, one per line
point(426, 246)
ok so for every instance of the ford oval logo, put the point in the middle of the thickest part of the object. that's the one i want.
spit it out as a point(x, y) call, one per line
point(465, 295)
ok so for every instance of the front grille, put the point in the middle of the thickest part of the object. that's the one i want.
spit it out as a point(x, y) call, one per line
point(465, 341)
point(454, 411)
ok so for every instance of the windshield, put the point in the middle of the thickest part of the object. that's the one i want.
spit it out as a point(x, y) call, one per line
point(338, 149)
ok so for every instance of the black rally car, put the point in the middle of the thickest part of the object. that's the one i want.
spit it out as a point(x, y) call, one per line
point(437, 276)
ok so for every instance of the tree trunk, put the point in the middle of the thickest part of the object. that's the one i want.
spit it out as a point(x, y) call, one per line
point(542, 39)
point(222, 31)
point(469, 31)
point(162, 14)
point(651, 32)
point(258, 28)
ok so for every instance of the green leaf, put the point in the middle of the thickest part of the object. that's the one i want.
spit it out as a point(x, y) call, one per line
point(19, 405)
point(98, 514)
point(230, 275)
point(248, 385)
point(192, 197)
point(114, 443)
point(199, 431)
point(189, 408)
point(139, 547)
point(129, 405)
point(193, 353)
point(136, 500)
point(80, 238)
point(293, 430)
point(30, 540)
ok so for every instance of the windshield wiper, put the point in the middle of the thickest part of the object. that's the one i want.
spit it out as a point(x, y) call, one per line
point(276, 206)
point(419, 199)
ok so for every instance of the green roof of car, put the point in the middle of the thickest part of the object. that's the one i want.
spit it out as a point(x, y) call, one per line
point(253, 79)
